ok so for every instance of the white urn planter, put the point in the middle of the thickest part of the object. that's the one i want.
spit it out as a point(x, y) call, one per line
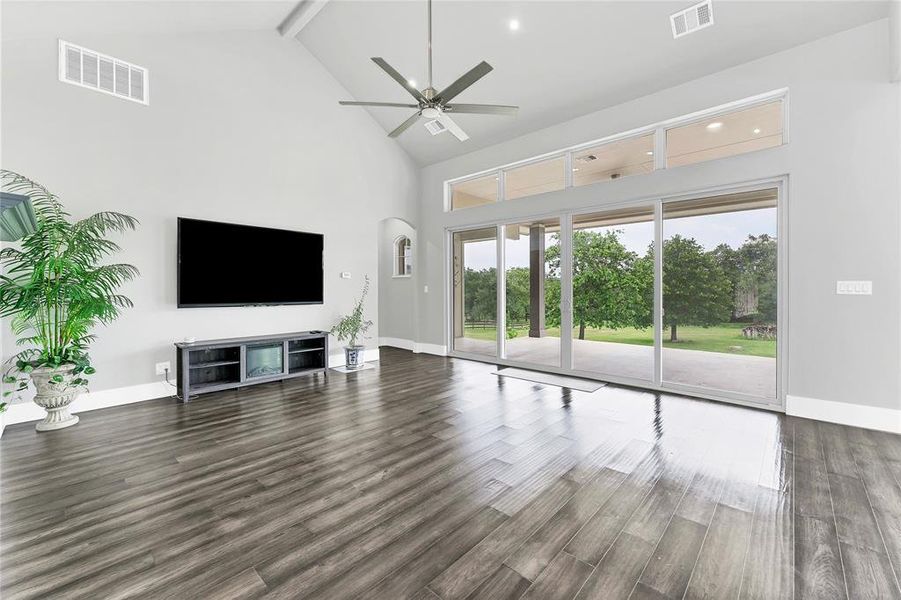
point(55, 397)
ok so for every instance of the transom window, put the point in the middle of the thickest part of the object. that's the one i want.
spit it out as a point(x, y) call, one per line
point(737, 128)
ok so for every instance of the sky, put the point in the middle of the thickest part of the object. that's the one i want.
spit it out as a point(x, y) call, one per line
point(709, 230)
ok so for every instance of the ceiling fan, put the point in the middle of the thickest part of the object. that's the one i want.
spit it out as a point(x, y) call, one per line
point(432, 104)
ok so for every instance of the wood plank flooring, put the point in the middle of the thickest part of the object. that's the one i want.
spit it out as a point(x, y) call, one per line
point(430, 478)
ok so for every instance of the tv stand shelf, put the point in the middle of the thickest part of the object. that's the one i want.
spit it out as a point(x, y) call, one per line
point(215, 365)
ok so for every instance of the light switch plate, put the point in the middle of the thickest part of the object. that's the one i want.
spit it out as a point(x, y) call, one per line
point(425, 289)
point(345, 274)
point(854, 288)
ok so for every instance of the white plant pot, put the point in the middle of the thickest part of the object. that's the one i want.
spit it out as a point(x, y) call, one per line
point(353, 356)
point(55, 398)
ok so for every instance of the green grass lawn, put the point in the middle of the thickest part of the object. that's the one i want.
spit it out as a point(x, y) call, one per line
point(721, 338)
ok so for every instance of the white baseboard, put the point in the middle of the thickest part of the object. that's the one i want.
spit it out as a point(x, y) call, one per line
point(29, 411)
point(412, 346)
point(398, 343)
point(338, 360)
point(855, 415)
point(436, 349)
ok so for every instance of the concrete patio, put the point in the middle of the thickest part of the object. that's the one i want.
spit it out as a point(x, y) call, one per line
point(753, 375)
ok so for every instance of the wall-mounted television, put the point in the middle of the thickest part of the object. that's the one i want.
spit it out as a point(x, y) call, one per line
point(225, 264)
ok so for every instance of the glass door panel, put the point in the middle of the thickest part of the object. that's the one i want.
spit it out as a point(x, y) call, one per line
point(613, 292)
point(532, 285)
point(474, 302)
point(720, 293)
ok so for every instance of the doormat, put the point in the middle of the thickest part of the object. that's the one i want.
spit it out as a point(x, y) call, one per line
point(573, 383)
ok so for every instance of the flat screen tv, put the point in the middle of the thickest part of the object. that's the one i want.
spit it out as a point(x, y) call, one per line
point(224, 264)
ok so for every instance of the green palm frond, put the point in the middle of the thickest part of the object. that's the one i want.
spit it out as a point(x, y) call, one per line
point(53, 286)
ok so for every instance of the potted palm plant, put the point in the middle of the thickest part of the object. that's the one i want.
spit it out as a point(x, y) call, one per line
point(351, 327)
point(55, 291)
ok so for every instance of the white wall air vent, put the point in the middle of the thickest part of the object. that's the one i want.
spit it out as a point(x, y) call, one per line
point(692, 19)
point(435, 127)
point(90, 69)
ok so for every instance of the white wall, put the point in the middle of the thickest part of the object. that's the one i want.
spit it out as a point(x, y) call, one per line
point(843, 163)
point(242, 127)
point(397, 295)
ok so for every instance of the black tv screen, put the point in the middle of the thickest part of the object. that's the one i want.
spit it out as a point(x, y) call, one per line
point(224, 264)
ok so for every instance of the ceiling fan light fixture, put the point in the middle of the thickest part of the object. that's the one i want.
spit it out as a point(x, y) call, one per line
point(433, 104)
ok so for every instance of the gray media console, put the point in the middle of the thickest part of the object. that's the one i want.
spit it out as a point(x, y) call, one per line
point(214, 365)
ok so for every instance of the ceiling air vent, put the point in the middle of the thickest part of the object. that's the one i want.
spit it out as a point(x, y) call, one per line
point(692, 19)
point(435, 127)
point(87, 68)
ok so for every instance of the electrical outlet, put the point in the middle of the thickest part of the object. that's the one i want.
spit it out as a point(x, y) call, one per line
point(162, 367)
point(345, 274)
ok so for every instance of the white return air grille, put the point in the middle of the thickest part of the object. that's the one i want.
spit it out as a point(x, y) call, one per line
point(90, 69)
point(692, 19)
point(435, 127)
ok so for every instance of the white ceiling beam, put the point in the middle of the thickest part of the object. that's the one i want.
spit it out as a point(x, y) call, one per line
point(302, 14)
point(895, 41)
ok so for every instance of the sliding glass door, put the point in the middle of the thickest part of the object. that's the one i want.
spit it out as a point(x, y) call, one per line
point(613, 293)
point(720, 293)
point(474, 301)
point(676, 294)
point(532, 291)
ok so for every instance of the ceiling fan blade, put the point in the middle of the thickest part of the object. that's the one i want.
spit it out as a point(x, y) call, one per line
point(404, 126)
point(483, 109)
point(468, 78)
point(451, 126)
point(398, 78)
point(392, 104)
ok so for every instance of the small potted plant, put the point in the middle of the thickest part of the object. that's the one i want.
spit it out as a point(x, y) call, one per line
point(351, 327)
point(55, 292)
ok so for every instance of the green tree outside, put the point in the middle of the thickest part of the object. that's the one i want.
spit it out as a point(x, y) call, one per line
point(612, 286)
point(696, 290)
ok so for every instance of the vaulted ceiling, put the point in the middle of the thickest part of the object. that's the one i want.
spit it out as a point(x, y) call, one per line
point(566, 59)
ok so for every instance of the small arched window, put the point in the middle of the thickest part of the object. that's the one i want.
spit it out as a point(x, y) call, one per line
point(403, 257)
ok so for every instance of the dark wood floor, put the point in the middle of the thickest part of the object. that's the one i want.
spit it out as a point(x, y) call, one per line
point(431, 478)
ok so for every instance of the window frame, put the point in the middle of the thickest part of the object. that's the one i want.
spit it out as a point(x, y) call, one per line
point(407, 255)
point(658, 129)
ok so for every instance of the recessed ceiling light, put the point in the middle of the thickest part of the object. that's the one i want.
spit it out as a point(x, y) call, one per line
point(714, 126)
point(649, 153)
point(411, 83)
point(757, 130)
point(575, 169)
point(514, 25)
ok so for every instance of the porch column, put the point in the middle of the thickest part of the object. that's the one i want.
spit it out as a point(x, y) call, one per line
point(536, 281)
